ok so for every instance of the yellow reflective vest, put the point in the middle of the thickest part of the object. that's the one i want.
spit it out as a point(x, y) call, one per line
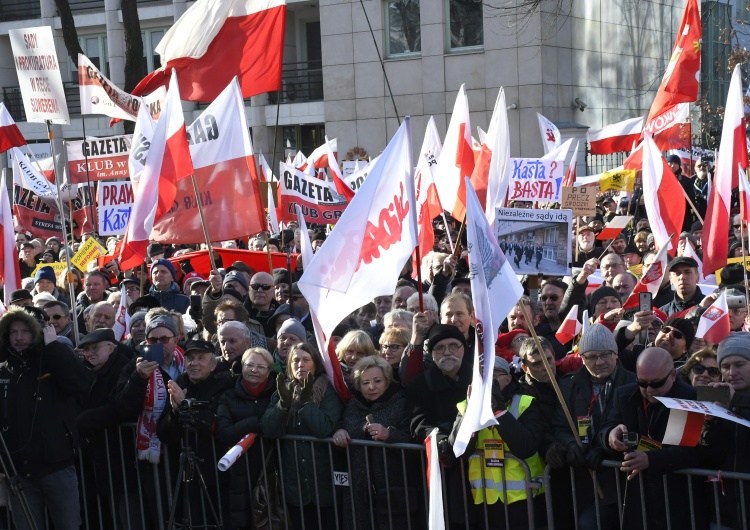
point(487, 482)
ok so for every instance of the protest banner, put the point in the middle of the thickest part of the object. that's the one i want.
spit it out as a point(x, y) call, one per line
point(703, 407)
point(59, 267)
point(39, 74)
point(115, 201)
point(97, 159)
point(318, 199)
point(580, 199)
point(88, 252)
point(535, 241)
point(40, 216)
point(729, 262)
point(535, 179)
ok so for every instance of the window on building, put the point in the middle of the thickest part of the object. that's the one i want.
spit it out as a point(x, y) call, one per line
point(151, 39)
point(466, 27)
point(303, 138)
point(402, 28)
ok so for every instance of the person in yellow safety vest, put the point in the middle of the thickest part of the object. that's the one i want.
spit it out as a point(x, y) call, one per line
point(519, 431)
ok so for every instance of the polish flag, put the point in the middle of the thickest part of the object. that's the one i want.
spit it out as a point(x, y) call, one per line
point(11, 273)
point(436, 512)
point(662, 196)
point(168, 161)
point(338, 179)
point(683, 428)
point(266, 174)
point(570, 327)
point(216, 40)
point(615, 138)
point(744, 186)
point(327, 348)
point(491, 175)
point(615, 227)
point(713, 325)
point(456, 159)
point(426, 195)
point(121, 326)
point(10, 135)
point(570, 175)
point(732, 155)
point(691, 253)
point(319, 157)
point(681, 80)
point(651, 279)
point(551, 138)
point(671, 129)
point(495, 289)
point(376, 234)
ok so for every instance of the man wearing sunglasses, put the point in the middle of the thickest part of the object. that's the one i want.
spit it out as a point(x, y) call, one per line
point(636, 410)
point(59, 316)
point(260, 302)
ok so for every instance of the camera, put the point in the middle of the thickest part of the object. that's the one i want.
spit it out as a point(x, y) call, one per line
point(190, 405)
point(631, 440)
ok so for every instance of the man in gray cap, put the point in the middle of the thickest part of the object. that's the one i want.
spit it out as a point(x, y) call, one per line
point(588, 395)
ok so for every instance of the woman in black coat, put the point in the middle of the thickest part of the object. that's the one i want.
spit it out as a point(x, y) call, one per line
point(378, 411)
point(240, 411)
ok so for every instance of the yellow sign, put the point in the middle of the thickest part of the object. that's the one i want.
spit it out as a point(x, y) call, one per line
point(58, 267)
point(620, 179)
point(89, 251)
point(732, 260)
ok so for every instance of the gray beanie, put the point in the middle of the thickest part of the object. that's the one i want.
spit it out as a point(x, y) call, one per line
point(597, 338)
point(292, 326)
point(139, 316)
point(737, 343)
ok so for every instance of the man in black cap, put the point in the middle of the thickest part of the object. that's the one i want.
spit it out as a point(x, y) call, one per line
point(21, 298)
point(155, 252)
point(281, 283)
point(683, 273)
point(611, 209)
point(675, 164)
point(27, 262)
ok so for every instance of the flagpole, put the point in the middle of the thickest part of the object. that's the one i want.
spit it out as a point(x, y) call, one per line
point(744, 251)
point(418, 255)
point(448, 232)
point(692, 206)
point(94, 220)
point(203, 222)
point(457, 248)
point(142, 276)
point(605, 249)
point(268, 251)
point(68, 273)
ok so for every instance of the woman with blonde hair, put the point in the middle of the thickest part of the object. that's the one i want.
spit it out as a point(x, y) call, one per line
point(354, 346)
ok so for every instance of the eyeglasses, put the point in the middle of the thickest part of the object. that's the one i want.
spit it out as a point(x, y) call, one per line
point(132, 288)
point(57, 317)
point(596, 358)
point(154, 340)
point(676, 333)
point(391, 347)
point(654, 384)
point(552, 297)
point(256, 367)
point(736, 227)
point(699, 369)
point(452, 348)
point(260, 287)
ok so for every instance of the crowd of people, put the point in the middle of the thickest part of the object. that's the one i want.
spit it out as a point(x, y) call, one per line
point(208, 360)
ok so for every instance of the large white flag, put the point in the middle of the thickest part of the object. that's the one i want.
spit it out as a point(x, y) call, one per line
point(497, 141)
point(495, 289)
point(364, 254)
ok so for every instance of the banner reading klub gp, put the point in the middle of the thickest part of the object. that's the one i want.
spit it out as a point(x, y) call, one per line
point(39, 74)
point(105, 158)
point(318, 199)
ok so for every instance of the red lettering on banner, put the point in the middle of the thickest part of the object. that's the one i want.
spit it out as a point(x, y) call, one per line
point(387, 232)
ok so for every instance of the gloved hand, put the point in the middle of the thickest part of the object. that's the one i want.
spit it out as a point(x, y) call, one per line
point(555, 456)
point(307, 388)
point(595, 457)
point(286, 395)
point(445, 452)
point(576, 456)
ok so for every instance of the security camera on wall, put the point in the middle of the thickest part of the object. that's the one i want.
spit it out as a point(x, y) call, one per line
point(578, 104)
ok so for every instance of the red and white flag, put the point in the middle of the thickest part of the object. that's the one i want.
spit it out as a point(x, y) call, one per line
point(744, 187)
point(426, 195)
point(456, 159)
point(121, 326)
point(10, 135)
point(615, 138)
point(683, 428)
point(266, 175)
point(714, 325)
point(491, 175)
point(168, 161)
point(495, 289)
point(318, 159)
point(11, 273)
point(436, 512)
point(615, 227)
point(327, 348)
point(651, 279)
point(570, 175)
point(550, 134)
point(570, 327)
point(671, 129)
point(732, 156)
point(681, 80)
point(338, 179)
point(226, 176)
point(691, 253)
point(376, 234)
point(216, 40)
point(662, 196)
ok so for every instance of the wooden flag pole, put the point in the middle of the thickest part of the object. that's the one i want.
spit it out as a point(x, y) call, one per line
point(142, 277)
point(203, 222)
point(692, 206)
point(418, 256)
point(457, 249)
point(270, 261)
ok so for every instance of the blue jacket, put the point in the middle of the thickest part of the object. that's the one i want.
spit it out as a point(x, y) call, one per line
point(172, 299)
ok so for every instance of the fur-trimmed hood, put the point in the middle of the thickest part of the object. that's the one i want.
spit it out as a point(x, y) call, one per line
point(14, 314)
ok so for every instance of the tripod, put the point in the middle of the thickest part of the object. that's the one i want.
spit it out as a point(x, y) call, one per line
point(15, 483)
point(187, 473)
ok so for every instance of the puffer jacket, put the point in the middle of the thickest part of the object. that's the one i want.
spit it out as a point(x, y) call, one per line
point(171, 299)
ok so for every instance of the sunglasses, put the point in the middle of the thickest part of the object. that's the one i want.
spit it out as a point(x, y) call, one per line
point(736, 227)
point(260, 287)
point(676, 333)
point(154, 340)
point(552, 297)
point(57, 317)
point(654, 384)
point(699, 369)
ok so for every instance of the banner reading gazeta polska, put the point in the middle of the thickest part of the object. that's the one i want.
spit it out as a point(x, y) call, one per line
point(318, 199)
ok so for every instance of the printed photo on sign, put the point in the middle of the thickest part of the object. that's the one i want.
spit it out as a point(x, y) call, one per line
point(535, 241)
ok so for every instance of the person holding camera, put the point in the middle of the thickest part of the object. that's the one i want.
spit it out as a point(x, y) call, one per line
point(40, 379)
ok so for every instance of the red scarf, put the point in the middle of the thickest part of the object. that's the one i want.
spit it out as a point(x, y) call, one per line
point(256, 391)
